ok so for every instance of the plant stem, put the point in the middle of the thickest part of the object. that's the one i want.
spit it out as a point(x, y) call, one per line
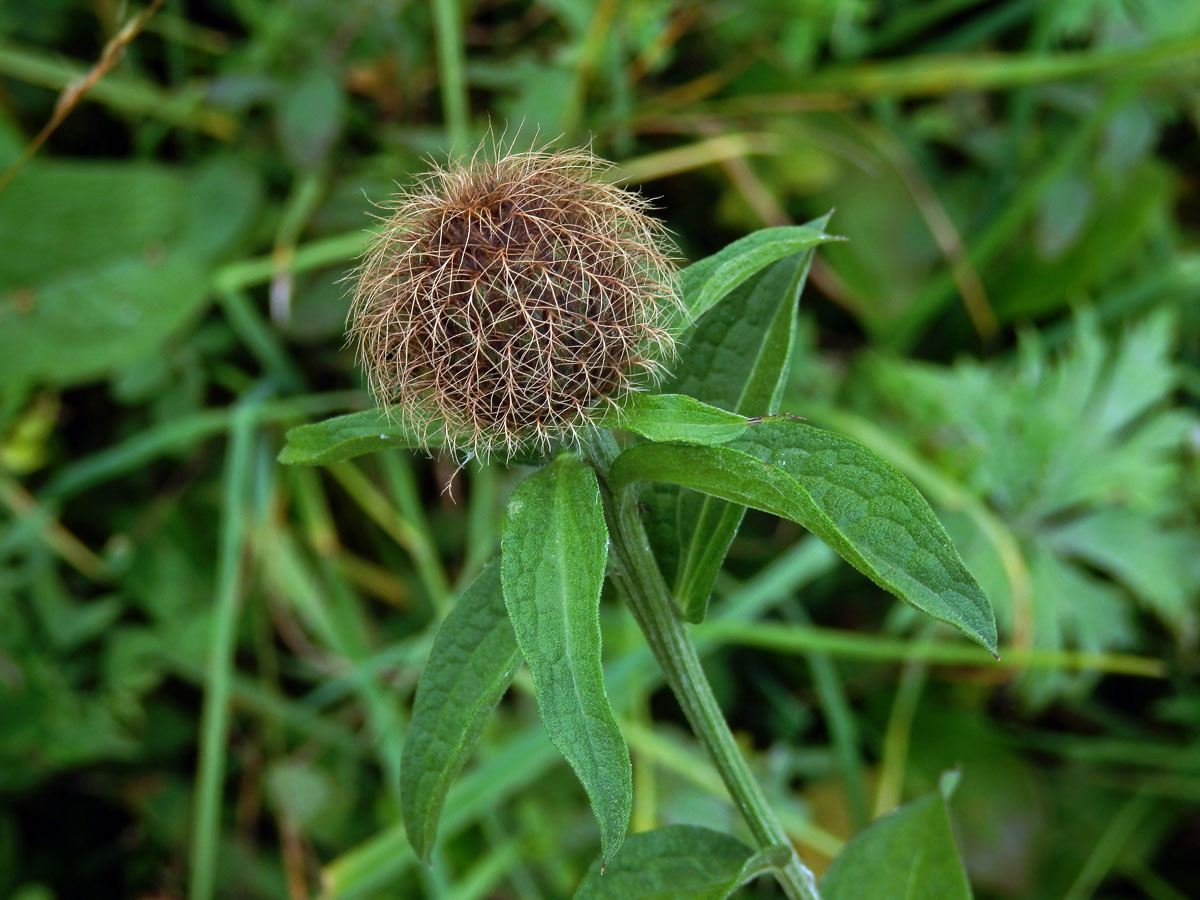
point(646, 593)
point(214, 720)
point(452, 68)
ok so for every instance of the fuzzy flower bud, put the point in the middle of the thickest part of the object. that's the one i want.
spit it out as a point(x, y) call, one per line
point(511, 301)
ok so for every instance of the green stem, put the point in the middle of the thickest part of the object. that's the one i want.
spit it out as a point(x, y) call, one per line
point(840, 721)
point(452, 66)
point(646, 593)
point(214, 718)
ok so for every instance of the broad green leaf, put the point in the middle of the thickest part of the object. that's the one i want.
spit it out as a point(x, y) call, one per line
point(471, 663)
point(704, 283)
point(676, 417)
point(76, 327)
point(224, 196)
point(60, 218)
point(908, 854)
point(843, 493)
point(348, 436)
point(737, 359)
point(309, 117)
point(679, 862)
point(554, 548)
point(102, 263)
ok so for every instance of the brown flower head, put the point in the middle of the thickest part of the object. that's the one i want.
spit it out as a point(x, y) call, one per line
point(513, 300)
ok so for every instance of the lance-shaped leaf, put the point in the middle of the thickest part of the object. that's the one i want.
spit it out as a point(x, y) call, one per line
point(679, 862)
point(676, 417)
point(908, 854)
point(470, 665)
point(737, 359)
point(843, 493)
point(705, 282)
point(554, 548)
point(348, 436)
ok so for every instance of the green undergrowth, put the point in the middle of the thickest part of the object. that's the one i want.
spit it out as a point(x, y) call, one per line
point(209, 661)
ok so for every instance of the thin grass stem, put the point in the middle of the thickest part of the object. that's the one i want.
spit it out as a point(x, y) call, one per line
point(214, 720)
point(452, 65)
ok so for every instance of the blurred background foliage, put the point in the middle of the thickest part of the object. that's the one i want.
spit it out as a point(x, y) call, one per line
point(1013, 323)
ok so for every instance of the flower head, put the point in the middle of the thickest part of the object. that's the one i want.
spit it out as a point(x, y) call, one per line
point(512, 300)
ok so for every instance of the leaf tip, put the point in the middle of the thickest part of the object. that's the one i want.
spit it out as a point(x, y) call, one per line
point(948, 782)
point(990, 642)
point(421, 847)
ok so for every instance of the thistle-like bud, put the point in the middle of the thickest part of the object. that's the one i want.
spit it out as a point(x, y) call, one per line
point(511, 301)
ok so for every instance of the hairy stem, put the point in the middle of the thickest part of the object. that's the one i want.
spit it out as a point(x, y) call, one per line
point(638, 576)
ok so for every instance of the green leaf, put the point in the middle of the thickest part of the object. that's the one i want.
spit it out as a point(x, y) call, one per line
point(908, 854)
point(679, 862)
point(737, 358)
point(224, 197)
point(93, 275)
point(77, 327)
point(843, 493)
point(471, 664)
point(348, 436)
point(676, 417)
point(58, 218)
point(704, 283)
point(1148, 557)
point(309, 118)
point(554, 548)
point(1070, 447)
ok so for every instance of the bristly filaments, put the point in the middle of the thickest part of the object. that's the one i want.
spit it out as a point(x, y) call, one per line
point(510, 301)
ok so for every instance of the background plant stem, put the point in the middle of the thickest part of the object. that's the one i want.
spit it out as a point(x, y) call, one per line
point(214, 723)
point(646, 593)
point(452, 68)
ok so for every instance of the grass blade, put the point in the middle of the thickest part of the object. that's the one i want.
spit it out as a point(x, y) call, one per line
point(214, 721)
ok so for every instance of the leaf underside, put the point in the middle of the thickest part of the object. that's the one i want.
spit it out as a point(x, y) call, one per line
point(676, 417)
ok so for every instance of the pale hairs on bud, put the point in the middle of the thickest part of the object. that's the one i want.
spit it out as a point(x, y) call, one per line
point(512, 299)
